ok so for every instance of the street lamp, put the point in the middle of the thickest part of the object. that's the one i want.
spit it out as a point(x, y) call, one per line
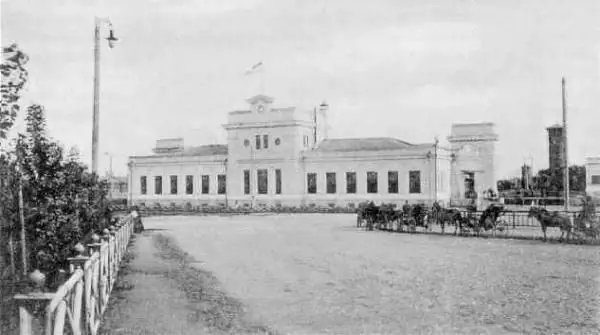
point(111, 43)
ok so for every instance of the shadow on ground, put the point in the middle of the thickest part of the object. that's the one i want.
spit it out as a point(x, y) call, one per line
point(159, 291)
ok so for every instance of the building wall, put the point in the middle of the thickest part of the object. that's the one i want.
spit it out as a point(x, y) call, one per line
point(474, 149)
point(181, 167)
point(592, 169)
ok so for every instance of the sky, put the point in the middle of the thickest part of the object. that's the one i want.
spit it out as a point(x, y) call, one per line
point(398, 68)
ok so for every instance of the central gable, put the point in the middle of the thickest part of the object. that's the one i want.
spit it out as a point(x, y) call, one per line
point(260, 103)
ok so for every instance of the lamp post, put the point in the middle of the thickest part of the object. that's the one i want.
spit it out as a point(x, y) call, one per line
point(435, 167)
point(111, 43)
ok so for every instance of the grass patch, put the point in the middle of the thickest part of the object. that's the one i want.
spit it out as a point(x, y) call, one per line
point(210, 304)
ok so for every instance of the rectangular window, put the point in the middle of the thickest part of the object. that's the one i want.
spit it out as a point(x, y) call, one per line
point(392, 181)
point(189, 184)
point(311, 183)
point(331, 185)
point(143, 185)
point(221, 184)
point(278, 181)
point(266, 141)
point(158, 185)
point(205, 184)
point(173, 184)
point(351, 182)
point(414, 181)
point(263, 181)
point(596, 180)
point(246, 181)
point(371, 182)
point(257, 142)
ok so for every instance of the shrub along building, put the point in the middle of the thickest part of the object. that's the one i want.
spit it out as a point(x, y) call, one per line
point(283, 156)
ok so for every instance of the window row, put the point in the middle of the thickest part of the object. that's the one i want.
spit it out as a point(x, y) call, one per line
point(189, 184)
point(261, 142)
point(262, 177)
point(414, 182)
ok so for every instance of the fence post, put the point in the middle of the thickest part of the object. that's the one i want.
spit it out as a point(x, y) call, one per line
point(31, 302)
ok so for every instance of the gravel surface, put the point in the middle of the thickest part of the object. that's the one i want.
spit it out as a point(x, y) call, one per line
point(317, 273)
point(158, 292)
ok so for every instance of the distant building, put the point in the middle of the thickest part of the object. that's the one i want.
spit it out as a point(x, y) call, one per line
point(556, 147)
point(592, 173)
point(117, 187)
point(283, 156)
point(526, 177)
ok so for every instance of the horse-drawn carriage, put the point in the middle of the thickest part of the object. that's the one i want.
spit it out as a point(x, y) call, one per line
point(385, 216)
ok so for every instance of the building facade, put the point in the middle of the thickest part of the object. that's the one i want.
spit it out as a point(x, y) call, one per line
point(283, 156)
point(592, 176)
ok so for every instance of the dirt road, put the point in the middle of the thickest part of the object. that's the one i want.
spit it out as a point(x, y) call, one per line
point(309, 274)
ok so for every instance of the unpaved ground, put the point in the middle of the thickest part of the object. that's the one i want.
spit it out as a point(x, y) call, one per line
point(158, 292)
point(315, 273)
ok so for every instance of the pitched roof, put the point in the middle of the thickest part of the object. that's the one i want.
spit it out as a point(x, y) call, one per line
point(362, 144)
point(202, 150)
point(260, 97)
point(206, 150)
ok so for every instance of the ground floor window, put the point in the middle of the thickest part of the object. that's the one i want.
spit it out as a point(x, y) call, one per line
point(158, 185)
point(596, 180)
point(351, 182)
point(143, 186)
point(311, 183)
point(414, 182)
point(392, 181)
point(277, 181)
point(331, 185)
point(189, 184)
point(246, 181)
point(263, 181)
point(221, 184)
point(205, 184)
point(173, 184)
point(371, 182)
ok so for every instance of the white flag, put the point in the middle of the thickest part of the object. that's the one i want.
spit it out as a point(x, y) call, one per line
point(255, 68)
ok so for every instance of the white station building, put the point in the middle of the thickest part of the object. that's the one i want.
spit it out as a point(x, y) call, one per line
point(278, 156)
point(592, 173)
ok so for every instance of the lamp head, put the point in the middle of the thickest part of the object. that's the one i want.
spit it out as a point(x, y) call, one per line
point(112, 40)
point(323, 106)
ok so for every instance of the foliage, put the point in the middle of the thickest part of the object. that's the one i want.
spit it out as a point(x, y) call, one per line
point(62, 202)
point(553, 179)
point(549, 181)
point(14, 78)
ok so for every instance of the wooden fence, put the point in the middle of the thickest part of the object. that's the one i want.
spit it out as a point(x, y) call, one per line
point(77, 306)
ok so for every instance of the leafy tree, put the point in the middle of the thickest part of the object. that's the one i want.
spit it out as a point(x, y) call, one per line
point(62, 202)
point(14, 78)
point(505, 185)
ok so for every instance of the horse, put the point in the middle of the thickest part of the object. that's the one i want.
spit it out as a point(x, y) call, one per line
point(489, 217)
point(552, 220)
point(451, 216)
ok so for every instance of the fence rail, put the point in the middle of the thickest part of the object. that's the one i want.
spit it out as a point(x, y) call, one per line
point(78, 304)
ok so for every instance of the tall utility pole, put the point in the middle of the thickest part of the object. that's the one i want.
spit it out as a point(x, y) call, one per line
point(565, 143)
point(435, 167)
point(96, 118)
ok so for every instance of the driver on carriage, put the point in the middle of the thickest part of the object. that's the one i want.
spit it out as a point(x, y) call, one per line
point(406, 209)
point(588, 212)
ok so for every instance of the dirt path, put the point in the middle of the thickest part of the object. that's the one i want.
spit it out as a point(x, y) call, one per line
point(159, 292)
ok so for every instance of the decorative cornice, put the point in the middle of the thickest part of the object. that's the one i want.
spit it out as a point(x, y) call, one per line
point(268, 124)
point(476, 138)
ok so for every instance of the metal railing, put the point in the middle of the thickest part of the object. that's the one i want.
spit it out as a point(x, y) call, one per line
point(77, 306)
